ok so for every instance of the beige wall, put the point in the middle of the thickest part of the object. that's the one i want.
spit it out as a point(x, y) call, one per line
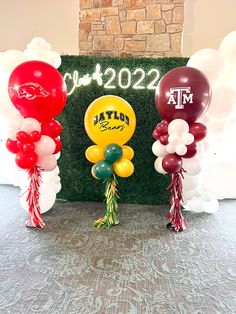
point(54, 20)
point(206, 23)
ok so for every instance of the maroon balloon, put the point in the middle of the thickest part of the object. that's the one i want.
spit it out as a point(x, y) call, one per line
point(198, 130)
point(155, 135)
point(183, 93)
point(12, 146)
point(164, 139)
point(191, 150)
point(172, 163)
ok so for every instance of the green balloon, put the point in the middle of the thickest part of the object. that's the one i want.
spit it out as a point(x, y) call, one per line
point(103, 170)
point(113, 152)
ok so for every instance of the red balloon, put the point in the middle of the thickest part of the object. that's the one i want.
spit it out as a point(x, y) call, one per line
point(26, 160)
point(172, 163)
point(164, 139)
point(191, 150)
point(35, 136)
point(183, 93)
point(198, 130)
point(28, 147)
point(58, 145)
point(155, 135)
point(12, 146)
point(37, 90)
point(51, 128)
point(23, 137)
point(19, 145)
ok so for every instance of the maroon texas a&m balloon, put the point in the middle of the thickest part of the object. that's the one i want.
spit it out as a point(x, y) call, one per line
point(183, 93)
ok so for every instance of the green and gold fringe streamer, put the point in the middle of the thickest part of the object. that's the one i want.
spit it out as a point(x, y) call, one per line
point(111, 196)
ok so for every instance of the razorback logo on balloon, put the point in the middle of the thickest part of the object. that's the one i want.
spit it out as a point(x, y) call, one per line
point(179, 96)
point(110, 122)
point(37, 90)
point(31, 91)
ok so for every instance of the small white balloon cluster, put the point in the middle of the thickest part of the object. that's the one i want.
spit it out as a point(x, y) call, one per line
point(179, 137)
point(37, 49)
point(40, 49)
point(217, 152)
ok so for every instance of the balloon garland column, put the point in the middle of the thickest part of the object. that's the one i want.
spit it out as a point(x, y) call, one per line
point(110, 122)
point(183, 95)
point(38, 92)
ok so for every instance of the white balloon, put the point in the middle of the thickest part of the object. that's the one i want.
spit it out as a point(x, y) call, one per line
point(11, 133)
point(45, 146)
point(181, 149)
point(192, 166)
point(47, 197)
point(223, 102)
point(174, 139)
point(48, 163)
point(178, 126)
point(210, 62)
point(158, 149)
point(228, 47)
point(188, 138)
point(7, 109)
point(219, 179)
point(57, 187)
point(16, 121)
point(30, 124)
point(158, 165)
point(188, 195)
point(170, 148)
point(190, 183)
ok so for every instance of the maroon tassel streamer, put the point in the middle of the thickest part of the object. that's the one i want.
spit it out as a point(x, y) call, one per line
point(175, 217)
point(35, 218)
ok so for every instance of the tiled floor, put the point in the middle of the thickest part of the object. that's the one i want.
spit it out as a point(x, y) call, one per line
point(136, 267)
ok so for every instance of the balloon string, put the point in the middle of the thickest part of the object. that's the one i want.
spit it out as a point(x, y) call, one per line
point(175, 217)
point(111, 196)
point(35, 218)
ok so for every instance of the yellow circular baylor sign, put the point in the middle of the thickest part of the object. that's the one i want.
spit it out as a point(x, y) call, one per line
point(110, 119)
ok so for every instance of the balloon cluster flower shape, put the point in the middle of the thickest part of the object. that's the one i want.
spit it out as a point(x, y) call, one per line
point(182, 96)
point(38, 92)
point(110, 123)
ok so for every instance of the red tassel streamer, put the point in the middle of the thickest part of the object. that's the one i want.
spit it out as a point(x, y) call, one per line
point(35, 218)
point(175, 217)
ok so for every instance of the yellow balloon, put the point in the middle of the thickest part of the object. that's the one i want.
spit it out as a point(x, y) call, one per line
point(123, 168)
point(94, 153)
point(128, 152)
point(110, 119)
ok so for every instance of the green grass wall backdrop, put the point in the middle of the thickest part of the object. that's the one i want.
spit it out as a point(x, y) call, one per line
point(145, 186)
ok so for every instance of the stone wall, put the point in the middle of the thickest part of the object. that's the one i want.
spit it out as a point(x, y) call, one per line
point(149, 28)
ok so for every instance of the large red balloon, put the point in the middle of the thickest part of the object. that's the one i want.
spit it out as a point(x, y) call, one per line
point(37, 90)
point(183, 93)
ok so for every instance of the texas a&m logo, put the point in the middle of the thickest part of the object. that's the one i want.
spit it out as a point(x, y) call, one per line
point(179, 96)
